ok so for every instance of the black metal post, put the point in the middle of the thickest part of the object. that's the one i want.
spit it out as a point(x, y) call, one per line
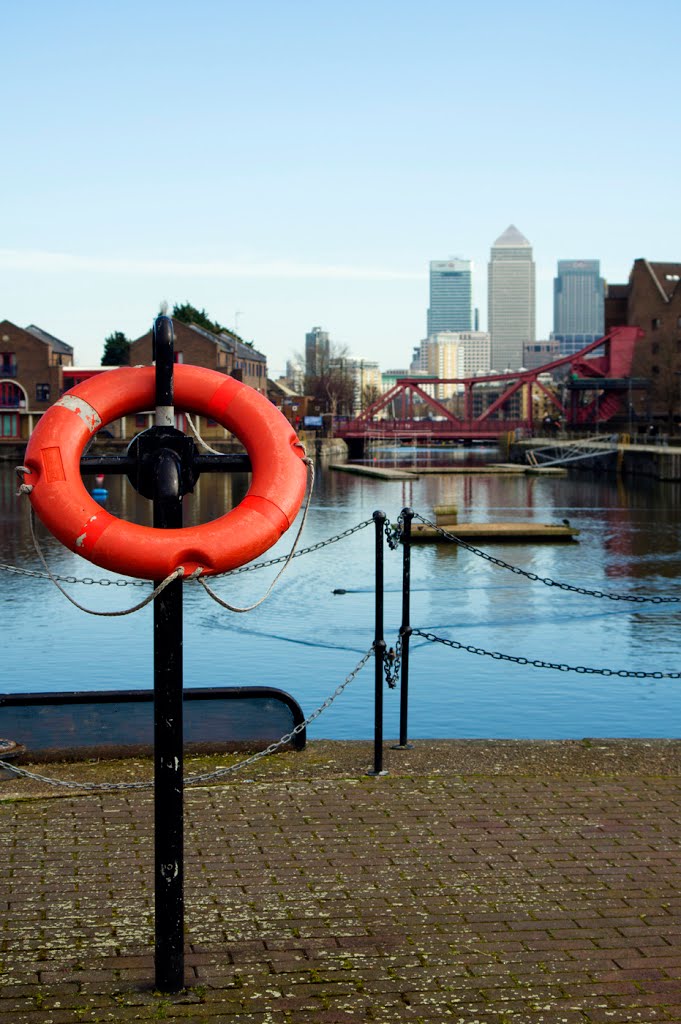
point(162, 465)
point(168, 682)
point(164, 357)
point(379, 646)
point(405, 628)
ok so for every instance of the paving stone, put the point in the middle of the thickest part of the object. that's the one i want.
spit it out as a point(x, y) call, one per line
point(519, 883)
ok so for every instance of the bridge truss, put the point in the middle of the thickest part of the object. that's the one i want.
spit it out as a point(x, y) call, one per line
point(595, 384)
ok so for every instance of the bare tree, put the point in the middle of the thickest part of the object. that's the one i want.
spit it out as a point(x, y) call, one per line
point(334, 384)
point(370, 393)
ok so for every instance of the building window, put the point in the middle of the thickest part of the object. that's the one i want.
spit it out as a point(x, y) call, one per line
point(8, 364)
point(655, 347)
point(42, 392)
point(656, 323)
point(11, 395)
point(9, 424)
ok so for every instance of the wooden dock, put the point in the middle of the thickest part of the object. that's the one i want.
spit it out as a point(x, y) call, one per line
point(406, 473)
point(378, 472)
point(520, 533)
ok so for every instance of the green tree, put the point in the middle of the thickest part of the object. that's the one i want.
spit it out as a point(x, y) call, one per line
point(188, 314)
point(116, 350)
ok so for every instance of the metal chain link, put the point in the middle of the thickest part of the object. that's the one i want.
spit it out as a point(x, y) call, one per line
point(231, 572)
point(302, 551)
point(393, 533)
point(177, 573)
point(217, 773)
point(546, 580)
point(18, 571)
point(538, 663)
point(392, 660)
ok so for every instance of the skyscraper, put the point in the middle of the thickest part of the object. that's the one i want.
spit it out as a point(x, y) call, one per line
point(578, 304)
point(316, 352)
point(510, 299)
point(450, 296)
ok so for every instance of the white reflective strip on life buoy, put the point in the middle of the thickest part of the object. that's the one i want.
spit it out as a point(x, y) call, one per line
point(89, 416)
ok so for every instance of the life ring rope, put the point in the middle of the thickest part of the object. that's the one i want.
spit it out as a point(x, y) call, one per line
point(176, 574)
point(179, 572)
point(60, 499)
point(250, 607)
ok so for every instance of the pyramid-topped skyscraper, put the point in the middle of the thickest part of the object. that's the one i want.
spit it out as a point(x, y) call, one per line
point(510, 299)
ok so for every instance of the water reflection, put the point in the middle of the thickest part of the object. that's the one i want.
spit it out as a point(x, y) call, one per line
point(214, 494)
point(306, 638)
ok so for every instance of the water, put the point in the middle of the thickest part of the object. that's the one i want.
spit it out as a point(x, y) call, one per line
point(306, 639)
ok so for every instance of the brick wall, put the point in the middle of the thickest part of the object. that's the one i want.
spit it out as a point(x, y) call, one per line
point(35, 365)
point(199, 348)
point(654, 305)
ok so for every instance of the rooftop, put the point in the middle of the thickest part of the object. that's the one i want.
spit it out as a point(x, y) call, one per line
point(511, 238)
point(49, 339)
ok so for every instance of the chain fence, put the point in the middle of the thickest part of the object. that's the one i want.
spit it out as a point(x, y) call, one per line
point(251, 567)
point(545, 580)
point(392, 663)
point(539, 663)
point(393, 533)
point(216, 773)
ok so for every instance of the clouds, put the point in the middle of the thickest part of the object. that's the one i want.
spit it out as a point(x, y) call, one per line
point(45, 262)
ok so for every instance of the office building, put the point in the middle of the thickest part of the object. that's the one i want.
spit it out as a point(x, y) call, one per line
point(578, 304)
point(540, 353)
point(510, 299)
point(364, 381)
point(316, 352)
point(295, 376)
point(453, 354)
point(450, 296)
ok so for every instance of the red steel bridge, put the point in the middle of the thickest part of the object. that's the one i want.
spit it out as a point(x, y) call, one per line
point(595, 385)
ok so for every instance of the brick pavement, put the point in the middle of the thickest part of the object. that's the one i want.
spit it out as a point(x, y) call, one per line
point(469, 884)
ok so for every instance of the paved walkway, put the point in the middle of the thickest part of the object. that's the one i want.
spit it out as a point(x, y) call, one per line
point(476, 882)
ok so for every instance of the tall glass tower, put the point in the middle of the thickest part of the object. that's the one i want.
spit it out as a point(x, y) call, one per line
point(316, 352)
point(578, 304)
point(510, 299)
point(450, 296)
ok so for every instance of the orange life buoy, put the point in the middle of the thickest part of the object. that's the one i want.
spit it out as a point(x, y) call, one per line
point(63, 504)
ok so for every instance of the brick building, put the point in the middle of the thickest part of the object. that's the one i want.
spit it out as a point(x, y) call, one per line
point(651, 300)
point(31, 377)
point(223, 352)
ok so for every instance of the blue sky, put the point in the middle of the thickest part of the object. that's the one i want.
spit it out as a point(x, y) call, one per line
point(286, 165)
